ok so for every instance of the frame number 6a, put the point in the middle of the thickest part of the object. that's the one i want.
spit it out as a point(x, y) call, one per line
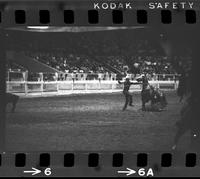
point(145, 172)
point(141, 172)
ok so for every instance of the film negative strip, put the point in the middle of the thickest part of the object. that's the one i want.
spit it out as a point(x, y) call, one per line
point(99, 88)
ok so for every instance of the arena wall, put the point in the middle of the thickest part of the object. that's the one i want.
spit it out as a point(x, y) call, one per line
point(69, 87)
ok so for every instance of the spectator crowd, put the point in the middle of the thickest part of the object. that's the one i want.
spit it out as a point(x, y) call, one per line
point(72, 63)
point(105, 53)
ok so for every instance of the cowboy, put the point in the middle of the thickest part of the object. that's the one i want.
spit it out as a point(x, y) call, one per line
point(145, 93)
point(127, 95)
point(145, 82)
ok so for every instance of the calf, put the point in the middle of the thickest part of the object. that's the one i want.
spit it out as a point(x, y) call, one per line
point(155, 96)
point(158, 99)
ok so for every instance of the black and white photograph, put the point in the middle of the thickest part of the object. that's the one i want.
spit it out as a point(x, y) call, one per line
point(125, 88)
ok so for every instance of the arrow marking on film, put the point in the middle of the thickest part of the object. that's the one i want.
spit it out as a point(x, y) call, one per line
point(34, 171)
point(127, 172)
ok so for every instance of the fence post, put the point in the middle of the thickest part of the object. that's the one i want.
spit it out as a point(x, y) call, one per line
point(99, 84)
point(158, 85)
point(57, 86)
point(85, 86)
point(26, 87)
point(73, 85)
point(112, 86)
point(25, 82)
point(42, 83)
point(175, 85)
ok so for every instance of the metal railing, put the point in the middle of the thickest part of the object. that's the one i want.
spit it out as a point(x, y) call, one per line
point(80, 82)
point(27, 87)
point(25, 76)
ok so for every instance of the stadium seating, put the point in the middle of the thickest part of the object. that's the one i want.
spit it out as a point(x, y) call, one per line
point(84, 64)
point(107, 55)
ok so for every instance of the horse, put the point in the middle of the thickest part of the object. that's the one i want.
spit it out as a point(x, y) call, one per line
point(12, 98)
point(155, 96)
point(158, 99)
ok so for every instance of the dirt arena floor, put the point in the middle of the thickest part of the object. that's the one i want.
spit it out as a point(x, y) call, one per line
point(91, 122)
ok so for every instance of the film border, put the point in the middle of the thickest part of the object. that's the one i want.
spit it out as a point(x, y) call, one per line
point(81, 19)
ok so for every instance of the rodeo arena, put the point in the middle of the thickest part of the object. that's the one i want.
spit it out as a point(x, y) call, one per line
point(97, 89)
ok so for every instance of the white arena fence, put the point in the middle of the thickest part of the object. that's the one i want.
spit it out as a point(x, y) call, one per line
point(28, 88)
point(27, 76)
